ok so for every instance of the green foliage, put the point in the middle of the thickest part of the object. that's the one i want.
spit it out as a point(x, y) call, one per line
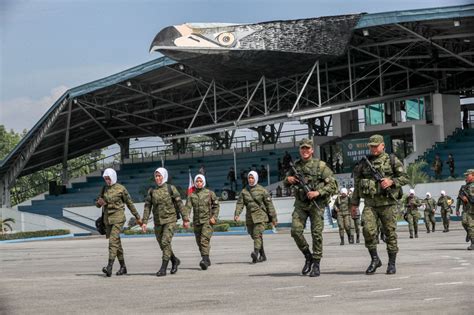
point(21, 235)
point(415, 173)
point(8, 140)
point(6, 225)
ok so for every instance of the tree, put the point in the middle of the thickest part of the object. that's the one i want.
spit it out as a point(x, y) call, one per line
point(8, 140)
point(415, 173)
point(5, 225)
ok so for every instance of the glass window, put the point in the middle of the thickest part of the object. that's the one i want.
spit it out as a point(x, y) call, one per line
point(374, 114)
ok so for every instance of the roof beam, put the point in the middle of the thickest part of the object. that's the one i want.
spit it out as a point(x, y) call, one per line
point(111, 136)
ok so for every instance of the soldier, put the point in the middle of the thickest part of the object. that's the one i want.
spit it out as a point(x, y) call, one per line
point(342, 205)
point(380, 199)
point(320, 179)
point(165, 203)
point(411, 213)
point(205, 214)
point(437, 166)
point(113, 198)
point(259, 211)
point(445, 203)
point(355, 222)
point(466, 198)
point(429, 212)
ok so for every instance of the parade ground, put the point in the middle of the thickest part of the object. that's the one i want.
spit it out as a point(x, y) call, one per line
point(435, 275)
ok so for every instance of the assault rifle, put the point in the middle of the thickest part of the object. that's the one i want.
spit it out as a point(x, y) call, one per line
point(463, 192)
point(302, 183)
point(378, 177)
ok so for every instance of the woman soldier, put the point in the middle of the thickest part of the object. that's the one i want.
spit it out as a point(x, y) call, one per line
point(166, 204)
point(260, 210)
point(205, 214)
point(113, 198)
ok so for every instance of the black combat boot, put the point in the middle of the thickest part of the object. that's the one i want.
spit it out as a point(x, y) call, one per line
point(358, 239)
point(375, 263)
point(254, 256)
point(123, 268)
point(342, 240)
point(203, 263)
point(433, 228)
point(308, 262)
point(262, 256)
point(411, 234)
point(315, 269)
point(467, 237)
point(351, 239)
point(108, 269)
point(428, 229)
point(447, 228)
point(162, 271)
point(208, 260)
point(175, 262)
point(472, 245)
point(391, 263)
point(416, 232)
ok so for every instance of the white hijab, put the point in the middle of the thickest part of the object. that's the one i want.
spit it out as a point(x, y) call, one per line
point(163, 173)
point(110, 172)
point(201, 177)
point(255, 176)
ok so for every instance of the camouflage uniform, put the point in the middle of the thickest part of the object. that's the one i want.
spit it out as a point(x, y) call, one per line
point(445, 211)
point(412, 215)
point(468, 211)
point(429, 212)
point(163, 206)
point(205, 205)
point(342, 206)
point(260, 208)
point(320, 178)
point(378, 203)
point(355, 222)
point(116, 196)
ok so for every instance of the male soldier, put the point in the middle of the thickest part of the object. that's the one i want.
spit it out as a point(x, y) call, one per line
point(163, 202)
point(205, 208)
point(445, 203)
point(467, 201)
point(342, 205)
point(260, 210)
point(437, 166)
point(320, 179)
point(355, 222)
point(411, 205)
point(429, 212)
point(380, 200)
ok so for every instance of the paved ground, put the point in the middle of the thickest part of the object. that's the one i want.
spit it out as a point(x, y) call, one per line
point(435, 276)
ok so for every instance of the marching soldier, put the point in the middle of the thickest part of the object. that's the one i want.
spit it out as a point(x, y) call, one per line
point(259, 211)
point(429, 212)
point(322, 184)
point(466, 198)
point(113, 199)
point(381, 199)
point(411, 213)
point(355, 222)
point(445, 203)
point(342, 206)
point(165, 203)
point(205, 208)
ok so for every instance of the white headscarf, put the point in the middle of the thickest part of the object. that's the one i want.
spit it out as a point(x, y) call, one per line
point(443, 193)
point(201, 177)
point(351, 189)
point(412, 191)
point(163, 173)
point(255, 176)
point(344, 190)
point(428, 195)
point(110, 172)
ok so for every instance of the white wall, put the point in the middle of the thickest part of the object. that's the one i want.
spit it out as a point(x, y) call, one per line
point(424, 137)
point(446, 113)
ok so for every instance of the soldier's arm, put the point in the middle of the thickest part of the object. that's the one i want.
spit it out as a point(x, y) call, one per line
point(188, 206)
point(239, 206)
point(400, 177)
point(267, 200)
point(147, 207)
point(458, 204)
point(286, 183)
point(129, 202)
point(179, 203)
point(336, 204)
point(215, 206)
point(100, 197)
point(330, 183)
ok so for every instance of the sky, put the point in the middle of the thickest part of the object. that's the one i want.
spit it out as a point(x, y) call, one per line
point(49, 46)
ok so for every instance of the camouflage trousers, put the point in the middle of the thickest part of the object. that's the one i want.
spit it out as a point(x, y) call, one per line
point(388, 220)
point(429, 218)
point(412, 218)
point(446, 217)
point(344, 224)
point(355, 226)
point(468, 224)
point(255, 231)
point(299, 218)
point(203, 234)
point(112, 232)
point(164, 234)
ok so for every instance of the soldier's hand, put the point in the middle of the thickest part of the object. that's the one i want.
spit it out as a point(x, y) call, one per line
point(144, 228)
point(292, 179)
point(464, 199)
point(212, 221)
point(139, 222)
point(386, 182)
point(186, 224)
point(274, 223)
point(458, 213)
point(237, 218)
point(101, 202)
point(354, 212)
point(312, 194)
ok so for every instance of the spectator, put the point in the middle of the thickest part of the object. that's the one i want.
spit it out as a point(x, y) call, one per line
point(202, 170)
point(281, 173)
point(450, 163)
point(231, 179)
point(338, 166)
point(262, 173)
point(243, 177)
point(279, 191)
point(286, 161)
point(465, 118)
point(437, 166)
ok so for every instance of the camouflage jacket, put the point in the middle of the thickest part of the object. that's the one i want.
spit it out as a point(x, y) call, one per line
point(366, 187)
point(116, 196)
point(430, 204)
point(443, 202)
point(205, 205)
point(412, 204)
point(342, 205)
point(319, 177)
point(163, 206)
point(466, 207)
point(258, 203)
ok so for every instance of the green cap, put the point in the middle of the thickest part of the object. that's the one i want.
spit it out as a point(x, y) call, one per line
point(375, 140)
point(306, 143)
point(469, 171)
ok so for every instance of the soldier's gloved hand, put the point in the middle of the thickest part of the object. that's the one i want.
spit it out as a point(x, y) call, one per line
point(312, 194)
point(236, 218)
point(186, 224)
point(144, 228)
point(212, 221)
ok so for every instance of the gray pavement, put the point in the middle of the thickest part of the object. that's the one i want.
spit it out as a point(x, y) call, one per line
point(435, 275)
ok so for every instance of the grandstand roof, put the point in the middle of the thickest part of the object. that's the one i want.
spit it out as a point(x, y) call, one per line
point(411, 52)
